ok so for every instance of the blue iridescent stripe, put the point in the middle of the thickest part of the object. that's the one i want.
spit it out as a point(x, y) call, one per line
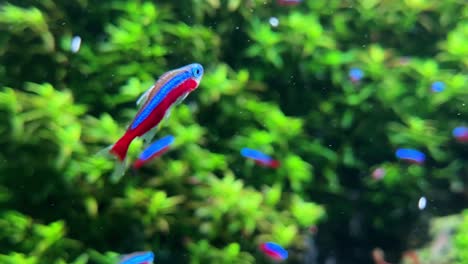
point(156, 146)
point(157, 98)
point(412, 154)
point(460, 131)
point(255, 154)
point(138, 258)
point(277, 249)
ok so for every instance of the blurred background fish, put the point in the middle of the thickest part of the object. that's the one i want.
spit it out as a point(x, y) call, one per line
point(156, 149)
point(144, 257)
point(260, 158)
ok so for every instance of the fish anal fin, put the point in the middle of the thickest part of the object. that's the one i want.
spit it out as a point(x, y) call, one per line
point(181, 98)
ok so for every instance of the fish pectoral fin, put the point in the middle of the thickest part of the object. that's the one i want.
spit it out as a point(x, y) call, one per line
point(182, 98)
point(167, 114)
point(148, 136)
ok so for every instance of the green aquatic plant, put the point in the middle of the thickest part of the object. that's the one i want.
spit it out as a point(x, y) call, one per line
point(461, 240)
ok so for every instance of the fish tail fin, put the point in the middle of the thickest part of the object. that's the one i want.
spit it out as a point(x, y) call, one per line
point(120, 165)
point(275, 164)
point(120, 148)
point(105, 151)
point(119, 170)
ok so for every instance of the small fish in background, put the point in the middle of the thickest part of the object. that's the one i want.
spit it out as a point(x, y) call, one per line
point(154, 150)
point(313, 229)
point(260, 158)
point(274, 22)
point(355, 75)
point(422, 203)
point(274, 251)
point(155, 104)
point(144, 257)
point(75, 44)
point(400, 61)
point(412, 256)
point(437, 87)
point(288, 2)
point(378, 256)
point(410, 155)
point(378, 174)
point(460, 134)
point(404, 60)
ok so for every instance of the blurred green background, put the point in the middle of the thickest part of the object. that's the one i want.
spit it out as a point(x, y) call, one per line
point(283, 90)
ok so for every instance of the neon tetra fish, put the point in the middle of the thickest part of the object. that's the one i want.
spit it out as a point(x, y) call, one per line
point(156, 149)
point(289, 2)
point(355, 75)
point(274, 251)
point(461, 134)
point(260, 158)
point(145, 257)
point(410, 155)
point(171, 88)
point(438, 87)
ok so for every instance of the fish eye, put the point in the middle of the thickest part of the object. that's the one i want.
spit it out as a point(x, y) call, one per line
point(197, 71)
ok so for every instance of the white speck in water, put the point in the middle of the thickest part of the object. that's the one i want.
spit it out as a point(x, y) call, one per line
point(274, 22)
point(75, 44)
point(237, 28)
point(422, 203)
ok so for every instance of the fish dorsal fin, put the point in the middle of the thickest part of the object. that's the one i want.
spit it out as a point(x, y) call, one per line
point(144, 97)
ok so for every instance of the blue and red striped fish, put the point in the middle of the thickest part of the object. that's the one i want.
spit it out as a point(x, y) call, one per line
point(438, 87)
point(260, 158)
point(154, 150)
point(410, 155)
point(355, 75)
point(144, 257)
point(289, 2)
point(274, 251)
point(461, 134)
point(171, 88)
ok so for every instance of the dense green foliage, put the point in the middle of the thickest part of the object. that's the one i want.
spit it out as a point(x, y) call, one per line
point(283, 90)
